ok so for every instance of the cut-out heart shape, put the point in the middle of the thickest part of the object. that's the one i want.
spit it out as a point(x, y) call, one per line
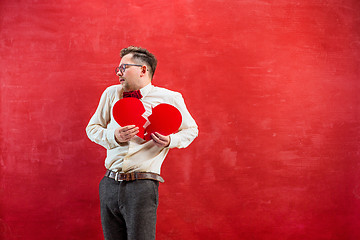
point(129, 111)
point(165, 119)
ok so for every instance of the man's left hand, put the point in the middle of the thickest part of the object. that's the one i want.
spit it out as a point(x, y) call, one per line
point(160, 140)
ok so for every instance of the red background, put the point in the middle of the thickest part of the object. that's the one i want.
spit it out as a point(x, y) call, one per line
point(273, 85)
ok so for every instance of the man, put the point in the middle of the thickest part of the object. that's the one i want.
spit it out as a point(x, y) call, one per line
point(129, 190)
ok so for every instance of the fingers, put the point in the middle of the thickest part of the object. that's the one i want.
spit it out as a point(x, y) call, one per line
point(129, 131)
point(125, 134)
point(160, 140)
point(128, 127)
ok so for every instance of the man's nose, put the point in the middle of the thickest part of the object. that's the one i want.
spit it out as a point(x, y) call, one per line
point(119, 73)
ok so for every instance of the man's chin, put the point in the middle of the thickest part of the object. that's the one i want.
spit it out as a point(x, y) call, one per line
point(124, 86)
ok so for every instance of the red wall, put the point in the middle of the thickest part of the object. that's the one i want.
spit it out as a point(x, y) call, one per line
point(273, 85)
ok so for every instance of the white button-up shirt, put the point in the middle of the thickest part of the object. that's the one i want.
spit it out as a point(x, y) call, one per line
point(138, 154)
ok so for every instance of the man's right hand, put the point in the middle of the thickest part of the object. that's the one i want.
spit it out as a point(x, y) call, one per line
point(125, 134)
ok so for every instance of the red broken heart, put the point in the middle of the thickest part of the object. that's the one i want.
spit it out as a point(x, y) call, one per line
point(165, 119)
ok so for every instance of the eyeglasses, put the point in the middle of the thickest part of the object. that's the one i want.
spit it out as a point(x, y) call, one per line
point(123, 67)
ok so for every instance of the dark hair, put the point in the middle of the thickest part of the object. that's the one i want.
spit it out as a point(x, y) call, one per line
point(142, 55)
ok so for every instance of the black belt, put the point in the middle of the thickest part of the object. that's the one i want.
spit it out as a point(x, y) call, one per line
point(133, 176)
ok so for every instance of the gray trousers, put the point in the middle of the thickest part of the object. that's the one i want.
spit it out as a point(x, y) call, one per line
point(128, 209)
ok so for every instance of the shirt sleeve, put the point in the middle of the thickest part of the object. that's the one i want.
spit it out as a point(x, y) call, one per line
point(188, 130)
point(97, 130)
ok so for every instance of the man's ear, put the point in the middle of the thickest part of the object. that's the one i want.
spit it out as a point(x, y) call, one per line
point(143, 70)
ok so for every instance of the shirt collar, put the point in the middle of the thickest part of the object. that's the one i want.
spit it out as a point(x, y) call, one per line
point(145, 90)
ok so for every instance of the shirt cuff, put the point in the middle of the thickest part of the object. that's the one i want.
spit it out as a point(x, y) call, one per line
point(110, 135)
point(174, 140)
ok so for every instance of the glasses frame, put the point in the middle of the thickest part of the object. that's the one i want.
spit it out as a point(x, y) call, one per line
point(123, 67)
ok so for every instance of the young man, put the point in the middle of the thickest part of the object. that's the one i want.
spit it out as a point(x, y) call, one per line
point(129, 190)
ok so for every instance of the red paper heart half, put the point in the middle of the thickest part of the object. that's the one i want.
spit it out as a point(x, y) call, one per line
point(165, 119)
point(128, 111)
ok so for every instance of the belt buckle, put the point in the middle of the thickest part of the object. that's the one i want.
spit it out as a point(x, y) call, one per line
point(116, 176)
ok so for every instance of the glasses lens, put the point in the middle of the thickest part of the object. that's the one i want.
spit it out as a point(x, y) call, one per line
point(120, 69)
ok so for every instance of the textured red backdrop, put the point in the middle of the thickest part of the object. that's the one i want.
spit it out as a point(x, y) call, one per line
point(273, 84)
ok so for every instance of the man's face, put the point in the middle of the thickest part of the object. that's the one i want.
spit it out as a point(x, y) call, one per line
point(130, 78)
